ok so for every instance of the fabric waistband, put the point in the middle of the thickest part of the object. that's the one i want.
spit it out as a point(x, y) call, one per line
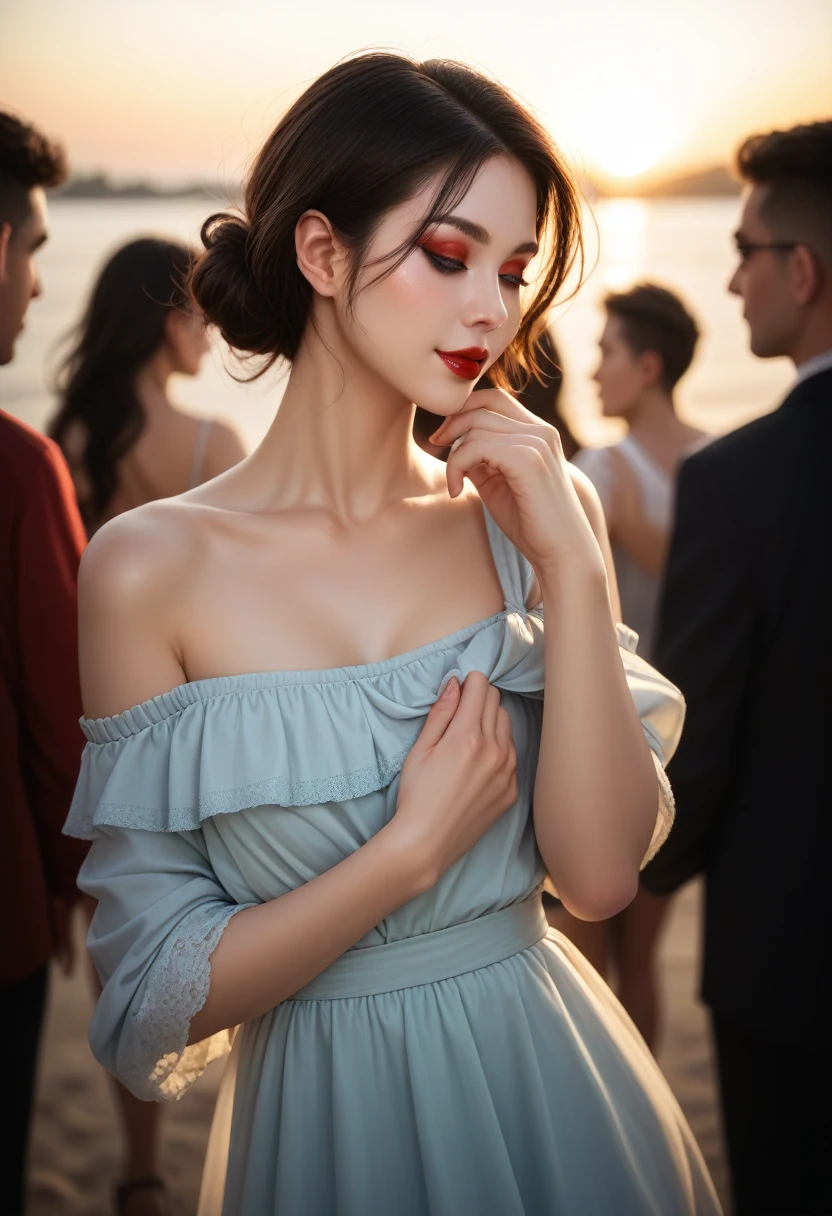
point(430, 957)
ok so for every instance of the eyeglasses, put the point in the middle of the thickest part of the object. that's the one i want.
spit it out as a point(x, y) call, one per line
point(746, 248)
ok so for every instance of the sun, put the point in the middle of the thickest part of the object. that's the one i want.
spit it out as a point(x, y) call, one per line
point(622, 120)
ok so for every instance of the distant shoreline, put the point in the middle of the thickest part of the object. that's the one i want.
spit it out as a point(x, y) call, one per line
point(99, 187)
point(717, 182)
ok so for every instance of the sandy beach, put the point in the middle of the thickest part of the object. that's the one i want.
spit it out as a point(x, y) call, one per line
point(75, 1145)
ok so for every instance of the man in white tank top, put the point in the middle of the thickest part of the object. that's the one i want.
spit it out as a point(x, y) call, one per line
point(646, 347)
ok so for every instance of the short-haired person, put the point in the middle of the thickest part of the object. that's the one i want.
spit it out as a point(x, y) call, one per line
point(41, 538)
point(744, 632)
point(647, 345)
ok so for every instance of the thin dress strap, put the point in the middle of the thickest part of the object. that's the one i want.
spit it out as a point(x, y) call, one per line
point(516, 574)
point(202, 434)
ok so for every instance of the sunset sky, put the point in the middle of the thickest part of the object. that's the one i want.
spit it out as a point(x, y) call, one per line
point(183, 89)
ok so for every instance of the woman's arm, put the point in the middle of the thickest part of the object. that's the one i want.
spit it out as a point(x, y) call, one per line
point(596, 789)
point(459, 777)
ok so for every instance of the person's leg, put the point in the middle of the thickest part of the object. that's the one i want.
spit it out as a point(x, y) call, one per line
point(140, 1129)
point(22, 1007)
point(635, 938)
point(774, 1098)
point(590, 937)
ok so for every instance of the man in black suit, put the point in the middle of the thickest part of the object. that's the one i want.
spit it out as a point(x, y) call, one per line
point(744, 632)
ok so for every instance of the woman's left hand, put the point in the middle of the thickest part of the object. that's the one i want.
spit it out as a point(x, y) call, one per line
point(515, 462)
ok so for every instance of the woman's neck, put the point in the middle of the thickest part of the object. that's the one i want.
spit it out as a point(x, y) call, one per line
point(342, 437)
point(152, 385)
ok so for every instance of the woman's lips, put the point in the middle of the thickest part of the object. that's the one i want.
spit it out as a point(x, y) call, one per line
point(464, 363)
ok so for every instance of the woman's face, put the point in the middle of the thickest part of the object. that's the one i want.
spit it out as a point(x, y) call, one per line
point(620, 374)
point(188, 340)
point(434, 325)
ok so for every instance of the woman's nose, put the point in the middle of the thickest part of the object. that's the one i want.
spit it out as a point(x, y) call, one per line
point(487, 307)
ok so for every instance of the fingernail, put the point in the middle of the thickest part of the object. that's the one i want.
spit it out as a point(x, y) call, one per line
point(449, 688)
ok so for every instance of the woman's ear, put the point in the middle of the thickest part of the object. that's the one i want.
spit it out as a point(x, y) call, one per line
point(173, 326)
point(322, 258)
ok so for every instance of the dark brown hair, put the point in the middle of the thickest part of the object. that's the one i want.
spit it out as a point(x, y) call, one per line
point(28, 158)
point(796, 167)
point(361, 140)
point(653, 318)
point(123, 327)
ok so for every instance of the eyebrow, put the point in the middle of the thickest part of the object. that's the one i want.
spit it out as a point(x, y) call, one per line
point(479, 234)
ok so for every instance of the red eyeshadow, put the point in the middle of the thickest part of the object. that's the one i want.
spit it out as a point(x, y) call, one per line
point(446, 249)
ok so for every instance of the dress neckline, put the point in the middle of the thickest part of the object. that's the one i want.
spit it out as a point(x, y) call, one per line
point(191, 691)
point(164, 704)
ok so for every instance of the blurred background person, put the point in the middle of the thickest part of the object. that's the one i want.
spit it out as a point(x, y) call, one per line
point(744, 632)
point(646, 347)
point(541, 395)
point(126, 444)
point(125, 441)
point(41, 539)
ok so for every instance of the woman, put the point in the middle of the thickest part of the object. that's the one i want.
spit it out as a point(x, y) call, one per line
point(647, 346)
point(127, 444)
point(315, 822)
point(125, 441)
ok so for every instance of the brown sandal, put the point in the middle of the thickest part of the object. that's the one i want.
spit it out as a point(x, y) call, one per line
point(125, 1189)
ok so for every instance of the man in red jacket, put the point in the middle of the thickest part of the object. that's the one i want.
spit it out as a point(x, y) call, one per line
point(41, 538)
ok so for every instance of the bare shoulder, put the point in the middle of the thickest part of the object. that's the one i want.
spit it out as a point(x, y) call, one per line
point(139, 551)
point(131, 582)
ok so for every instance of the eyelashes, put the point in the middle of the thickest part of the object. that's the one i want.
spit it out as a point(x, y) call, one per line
point(446, 265)
point(442, 264)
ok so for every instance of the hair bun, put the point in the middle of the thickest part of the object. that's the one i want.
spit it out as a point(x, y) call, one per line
point(225, 289)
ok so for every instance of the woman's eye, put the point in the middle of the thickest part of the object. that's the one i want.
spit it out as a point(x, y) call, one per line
point(514, 280)
point(442, 264)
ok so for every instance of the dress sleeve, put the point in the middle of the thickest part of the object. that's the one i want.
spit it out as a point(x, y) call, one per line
point(661, 710)
point(160, 914)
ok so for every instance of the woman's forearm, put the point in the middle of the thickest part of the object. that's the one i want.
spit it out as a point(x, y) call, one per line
point(269, 952)
point(595, 799)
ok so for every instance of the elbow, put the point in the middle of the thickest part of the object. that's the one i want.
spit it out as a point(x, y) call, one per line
point(600, 898)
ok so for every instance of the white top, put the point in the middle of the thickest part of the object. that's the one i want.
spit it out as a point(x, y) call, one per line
point(638, 589)
point(818, 363)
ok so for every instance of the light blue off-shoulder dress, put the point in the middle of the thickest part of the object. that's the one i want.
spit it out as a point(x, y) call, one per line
point(461, 1058)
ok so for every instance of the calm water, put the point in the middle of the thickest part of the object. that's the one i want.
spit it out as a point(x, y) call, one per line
point(685, 244)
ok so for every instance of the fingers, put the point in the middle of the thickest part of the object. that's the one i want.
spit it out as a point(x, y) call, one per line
point(441, 715)
point(468, 716)
point(489, 714)
point(462, 424)
point(496, 401)
point(505, 738)
point(517, 458)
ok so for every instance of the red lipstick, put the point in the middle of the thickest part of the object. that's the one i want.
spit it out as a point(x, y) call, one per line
point(464, 363)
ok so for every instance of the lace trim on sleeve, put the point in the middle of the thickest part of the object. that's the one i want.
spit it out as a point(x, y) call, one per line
point(153, 1059)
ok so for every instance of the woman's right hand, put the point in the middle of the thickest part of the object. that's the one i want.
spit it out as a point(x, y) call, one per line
point(460, 776)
